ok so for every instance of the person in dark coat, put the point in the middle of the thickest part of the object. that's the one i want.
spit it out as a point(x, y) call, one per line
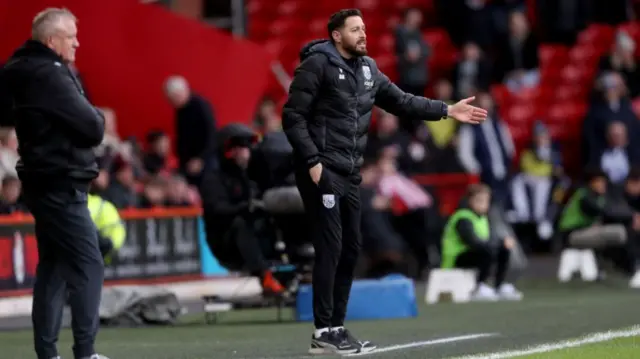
point(57, 129)
point(326, 119)
point(195, 130)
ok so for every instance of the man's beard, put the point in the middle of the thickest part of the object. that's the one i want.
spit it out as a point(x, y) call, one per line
point(353, 50)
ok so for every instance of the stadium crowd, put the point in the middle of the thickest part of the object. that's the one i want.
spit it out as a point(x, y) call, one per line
point(499, 48)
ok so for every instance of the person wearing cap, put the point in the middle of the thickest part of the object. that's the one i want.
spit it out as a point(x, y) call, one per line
point(232, 213)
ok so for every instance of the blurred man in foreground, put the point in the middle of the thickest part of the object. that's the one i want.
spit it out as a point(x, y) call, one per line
point(57, 130)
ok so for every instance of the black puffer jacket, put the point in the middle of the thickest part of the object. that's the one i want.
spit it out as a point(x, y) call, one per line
point(327, 115)
point(56, 125)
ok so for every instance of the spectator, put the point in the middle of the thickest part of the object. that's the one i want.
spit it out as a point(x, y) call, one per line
point(622, 60)
point(539, 164)
point(488, 150)
point(111, 143)
point(232, 214)
point(379, 238)
point(441, 140)
point(471, 73)
point(562, 20)
point(591, 220)
point(179, 194)
point(479, 22)
point(195, 130)
point(154, 193)
point(611, 105)
point(387, 137)
point(267, 119)
point(412, 52)
point(466, 243)
point(616, 159)
point(158, 158)
point(517, 57)
point(411, 206)
point(122, 187)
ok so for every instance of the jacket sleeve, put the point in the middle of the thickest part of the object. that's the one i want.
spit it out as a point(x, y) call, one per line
point(295, 115)
point(6, 104)
point(62, 97)
point(468, 235)
point(392, 99)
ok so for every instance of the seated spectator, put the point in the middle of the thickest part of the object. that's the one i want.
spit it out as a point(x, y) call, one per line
point(517, 57)
point(387, 137)
point(158, 158)
point(611, 104)
point(471, 74)
point(122, 188)
point(488, 150)
point(232, 215)
point(384, 246)
point(10, 196)
point(154, 193)
point(412, 208)
point(440, 140)
point(179, 194)
point(539, 164)
point(466, 243)
point(622, 60)
point(591, 219)
point(617, 158)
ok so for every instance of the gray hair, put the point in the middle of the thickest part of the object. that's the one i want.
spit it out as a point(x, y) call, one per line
point(45, 23)
point(175, 84)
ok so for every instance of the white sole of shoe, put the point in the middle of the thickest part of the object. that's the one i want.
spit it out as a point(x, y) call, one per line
point(330, 351)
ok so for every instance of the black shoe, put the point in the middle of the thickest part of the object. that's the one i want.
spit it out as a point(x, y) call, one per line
point(364, 346)
point(331, 342)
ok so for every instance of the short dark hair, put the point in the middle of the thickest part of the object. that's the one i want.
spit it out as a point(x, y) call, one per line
point(593, 173)
point(337, 20)
point(476, 189)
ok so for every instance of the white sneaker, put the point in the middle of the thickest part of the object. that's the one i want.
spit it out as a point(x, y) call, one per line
point(508, 292)
point(484, 293)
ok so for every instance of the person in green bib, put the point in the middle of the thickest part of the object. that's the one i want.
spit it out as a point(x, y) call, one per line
point(591, 219)
point(467, 243)
point(111, 229)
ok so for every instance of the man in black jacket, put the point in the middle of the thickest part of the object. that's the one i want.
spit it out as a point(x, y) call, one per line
point(57, 129)
point(326, 119)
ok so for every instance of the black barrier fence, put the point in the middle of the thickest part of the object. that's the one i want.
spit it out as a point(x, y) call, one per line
point(154, 247)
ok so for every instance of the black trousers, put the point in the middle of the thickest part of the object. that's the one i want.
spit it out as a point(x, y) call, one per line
point(239, 247)
point(333, 209)
point(70, 269)
point(483, 259)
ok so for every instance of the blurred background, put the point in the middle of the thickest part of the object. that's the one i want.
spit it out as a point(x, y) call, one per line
point(178, 80)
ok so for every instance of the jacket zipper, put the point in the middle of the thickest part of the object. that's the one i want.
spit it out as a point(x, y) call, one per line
point(355, 134)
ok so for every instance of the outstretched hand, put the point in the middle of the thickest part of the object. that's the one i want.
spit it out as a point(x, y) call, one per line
point(466, 113)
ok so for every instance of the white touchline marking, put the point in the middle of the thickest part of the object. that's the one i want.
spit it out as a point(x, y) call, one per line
point(427, 343)
point(548, 347)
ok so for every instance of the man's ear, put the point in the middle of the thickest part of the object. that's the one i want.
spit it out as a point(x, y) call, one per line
point(337, 36)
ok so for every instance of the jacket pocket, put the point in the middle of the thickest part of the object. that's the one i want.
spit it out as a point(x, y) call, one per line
point(325, 184)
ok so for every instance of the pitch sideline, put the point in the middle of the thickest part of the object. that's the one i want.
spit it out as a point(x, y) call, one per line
point(560, 345)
